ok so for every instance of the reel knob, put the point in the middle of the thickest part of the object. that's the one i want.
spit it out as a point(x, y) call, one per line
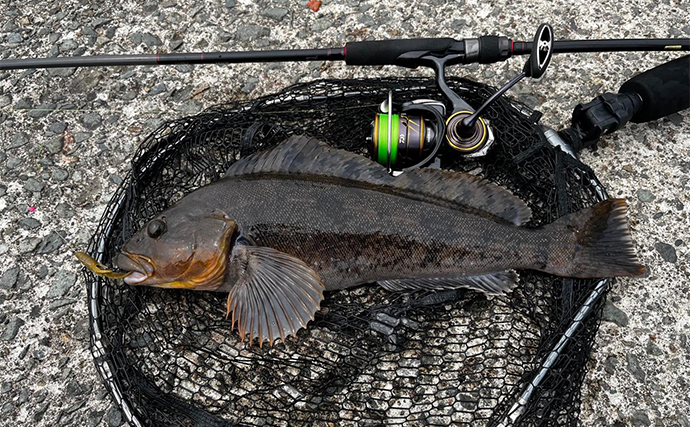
point(535, 67)
point(542, 50)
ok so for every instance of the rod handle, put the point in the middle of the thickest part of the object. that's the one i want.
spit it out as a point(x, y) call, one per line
point(664, 90)
point(385, 52)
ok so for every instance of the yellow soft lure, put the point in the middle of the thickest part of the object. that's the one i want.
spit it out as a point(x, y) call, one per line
point(99, 268)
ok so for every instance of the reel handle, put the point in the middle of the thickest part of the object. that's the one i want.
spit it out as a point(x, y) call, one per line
point(535, 67)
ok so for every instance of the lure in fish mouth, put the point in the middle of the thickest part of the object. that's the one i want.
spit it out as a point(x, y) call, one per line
point(155, 258)
point(287, 224)
point(140, 268)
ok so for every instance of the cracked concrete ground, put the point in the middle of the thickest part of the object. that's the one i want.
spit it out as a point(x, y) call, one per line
point(67, 136)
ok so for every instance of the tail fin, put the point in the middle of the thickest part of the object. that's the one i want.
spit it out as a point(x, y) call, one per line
point(594, 242)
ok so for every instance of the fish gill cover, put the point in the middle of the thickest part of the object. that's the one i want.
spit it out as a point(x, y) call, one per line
point(371, 357)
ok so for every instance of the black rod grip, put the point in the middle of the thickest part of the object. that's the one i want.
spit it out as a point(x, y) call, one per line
point(664, 90)
point(385, 52)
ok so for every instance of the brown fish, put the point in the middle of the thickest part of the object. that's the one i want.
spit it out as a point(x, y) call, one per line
point(284, 225)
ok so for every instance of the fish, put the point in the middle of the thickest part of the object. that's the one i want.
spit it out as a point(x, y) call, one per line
point(285, 225)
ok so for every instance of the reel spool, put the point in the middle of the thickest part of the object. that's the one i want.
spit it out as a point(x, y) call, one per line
point(414, 133)
point(417, 134)
point(410, 135)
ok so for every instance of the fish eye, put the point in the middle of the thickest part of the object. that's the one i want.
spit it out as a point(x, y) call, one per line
point(156, 228)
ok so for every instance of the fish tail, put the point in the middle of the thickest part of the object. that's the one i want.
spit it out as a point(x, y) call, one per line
point(593, 243)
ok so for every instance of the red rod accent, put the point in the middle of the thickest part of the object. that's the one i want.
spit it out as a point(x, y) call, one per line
point(202, 56)
point(345, 51)
point(512, 45)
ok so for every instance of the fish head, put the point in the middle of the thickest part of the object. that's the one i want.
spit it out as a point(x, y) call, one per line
point(184, 247)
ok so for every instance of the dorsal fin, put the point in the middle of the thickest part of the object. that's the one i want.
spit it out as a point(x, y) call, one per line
point(309, 156)
point(468, 190)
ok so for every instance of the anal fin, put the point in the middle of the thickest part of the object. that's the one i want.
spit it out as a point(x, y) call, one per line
point(492, 283)
point(275, 295)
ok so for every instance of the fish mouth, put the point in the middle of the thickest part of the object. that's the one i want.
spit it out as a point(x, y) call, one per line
point(141, 267)
point(135, 278)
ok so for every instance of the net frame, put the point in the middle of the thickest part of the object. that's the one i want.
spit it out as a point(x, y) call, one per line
point(546, 393)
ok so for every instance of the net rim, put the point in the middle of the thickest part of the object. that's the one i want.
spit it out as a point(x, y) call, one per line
point(98, 346)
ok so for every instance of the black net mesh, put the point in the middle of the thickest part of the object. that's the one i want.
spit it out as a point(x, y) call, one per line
point(371, 357)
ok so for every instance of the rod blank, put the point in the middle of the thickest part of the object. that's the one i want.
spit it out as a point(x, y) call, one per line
point(177, 58)
point(613, 45)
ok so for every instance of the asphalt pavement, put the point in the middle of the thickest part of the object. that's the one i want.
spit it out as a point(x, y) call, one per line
point(67, 135)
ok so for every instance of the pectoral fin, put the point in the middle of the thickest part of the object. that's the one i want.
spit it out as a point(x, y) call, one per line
point(275, 296)
point(493, 283)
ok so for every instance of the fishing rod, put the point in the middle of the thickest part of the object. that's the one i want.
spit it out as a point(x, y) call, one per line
point(416, 133)
point(485, 50)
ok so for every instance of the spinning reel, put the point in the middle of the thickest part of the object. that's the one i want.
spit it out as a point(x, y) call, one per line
point(423, 129)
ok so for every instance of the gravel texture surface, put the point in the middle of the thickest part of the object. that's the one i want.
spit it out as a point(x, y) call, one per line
point(66, 136)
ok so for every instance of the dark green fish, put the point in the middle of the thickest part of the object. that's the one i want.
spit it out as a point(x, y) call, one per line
point(284, 225)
